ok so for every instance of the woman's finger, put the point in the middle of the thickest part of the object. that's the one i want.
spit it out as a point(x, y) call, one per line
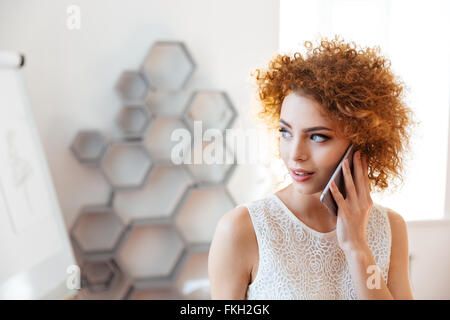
point(349, 185)
point(358, 171)
point(366, 177)
point(338, 197)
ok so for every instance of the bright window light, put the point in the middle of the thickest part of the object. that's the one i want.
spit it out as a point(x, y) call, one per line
point(415, 36)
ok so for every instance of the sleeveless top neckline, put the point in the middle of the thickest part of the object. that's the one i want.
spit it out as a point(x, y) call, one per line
point(297, 220)
point(297, 262)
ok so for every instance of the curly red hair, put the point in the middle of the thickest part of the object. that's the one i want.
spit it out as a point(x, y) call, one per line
point(358, 93)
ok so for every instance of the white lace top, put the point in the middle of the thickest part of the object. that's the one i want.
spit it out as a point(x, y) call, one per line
point(297, 262)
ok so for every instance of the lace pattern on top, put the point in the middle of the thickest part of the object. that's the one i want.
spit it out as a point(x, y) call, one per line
point(297, 262)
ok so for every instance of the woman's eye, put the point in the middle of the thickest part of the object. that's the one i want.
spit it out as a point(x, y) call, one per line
point(325, 138)
point(283, 132)
point(286, 134)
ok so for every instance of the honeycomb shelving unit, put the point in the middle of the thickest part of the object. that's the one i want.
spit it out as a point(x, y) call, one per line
point(157, 226)
point(89, 146)
point(133, 121)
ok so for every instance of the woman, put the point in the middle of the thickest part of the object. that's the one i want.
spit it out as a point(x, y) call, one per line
point(286, 245)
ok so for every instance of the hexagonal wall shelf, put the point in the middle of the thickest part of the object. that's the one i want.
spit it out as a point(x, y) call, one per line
point(89, 146)
point(158, 138)
point(168, 66)
point(98, 275)
point(149, 251)
point(97, 230)
point(126, 164)
point(165, 103)
point(213, 108)
point(192, 282)
point(132, 86)
point(163, 189)
point(200, 212)
point(170, 210)
point(214, 167)
point(133, 120)
point(93, 188)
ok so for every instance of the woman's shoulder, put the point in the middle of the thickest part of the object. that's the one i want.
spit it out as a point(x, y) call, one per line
point(396, 221)
point(391, 219)
point(235, 235)
point(238, 222)
point(393, 216)
point(232, 251)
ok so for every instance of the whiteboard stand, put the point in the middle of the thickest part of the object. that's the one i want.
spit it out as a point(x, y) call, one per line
point(35, 249)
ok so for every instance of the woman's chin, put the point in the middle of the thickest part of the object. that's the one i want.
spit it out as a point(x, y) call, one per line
point(306, 190)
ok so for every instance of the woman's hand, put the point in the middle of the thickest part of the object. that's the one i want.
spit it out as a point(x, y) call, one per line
point(353, 211)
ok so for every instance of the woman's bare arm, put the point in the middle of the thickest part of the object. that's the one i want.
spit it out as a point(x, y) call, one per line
point(230, 255)
point(398, 277)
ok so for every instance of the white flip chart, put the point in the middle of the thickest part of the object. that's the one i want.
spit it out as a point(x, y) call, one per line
point(35, 251)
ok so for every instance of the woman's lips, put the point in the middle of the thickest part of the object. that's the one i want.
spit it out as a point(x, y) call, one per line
point(301, 178)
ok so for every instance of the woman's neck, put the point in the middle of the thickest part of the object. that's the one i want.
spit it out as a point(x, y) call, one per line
point(306, 207)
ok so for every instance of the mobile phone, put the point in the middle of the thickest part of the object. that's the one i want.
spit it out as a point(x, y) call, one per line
point(326, 198)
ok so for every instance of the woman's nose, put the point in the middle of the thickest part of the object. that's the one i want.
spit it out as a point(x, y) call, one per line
point(299, 150)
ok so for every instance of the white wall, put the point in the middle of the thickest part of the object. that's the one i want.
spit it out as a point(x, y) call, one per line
point(430, 259)
point(70, 74)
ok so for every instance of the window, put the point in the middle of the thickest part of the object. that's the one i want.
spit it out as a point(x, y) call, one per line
point(414, 35)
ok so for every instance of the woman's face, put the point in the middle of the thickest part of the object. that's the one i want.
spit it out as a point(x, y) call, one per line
point(314, 150)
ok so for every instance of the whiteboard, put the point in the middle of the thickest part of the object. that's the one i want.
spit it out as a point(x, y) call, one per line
point(35, 249)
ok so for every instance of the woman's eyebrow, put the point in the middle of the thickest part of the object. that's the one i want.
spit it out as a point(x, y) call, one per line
point(317, 128)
